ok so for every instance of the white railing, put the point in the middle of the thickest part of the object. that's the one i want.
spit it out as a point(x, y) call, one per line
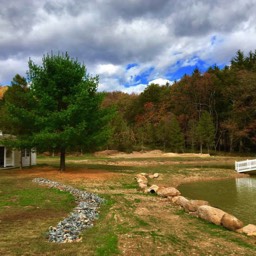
point(245, 166)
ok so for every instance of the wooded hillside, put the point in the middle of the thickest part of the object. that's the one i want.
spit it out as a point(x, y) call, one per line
point(207, 111)
point(202, 112)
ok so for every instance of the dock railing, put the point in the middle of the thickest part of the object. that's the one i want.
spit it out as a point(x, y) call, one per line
point(245, 166)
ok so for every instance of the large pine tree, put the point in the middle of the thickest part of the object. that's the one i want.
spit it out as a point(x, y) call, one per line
point(62, 109)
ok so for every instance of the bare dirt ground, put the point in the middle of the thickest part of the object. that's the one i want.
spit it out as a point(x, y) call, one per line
point(146, 224)
point(70, 174)
point(146, 154)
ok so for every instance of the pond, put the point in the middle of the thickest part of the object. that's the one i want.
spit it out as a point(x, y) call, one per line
point(234, 196)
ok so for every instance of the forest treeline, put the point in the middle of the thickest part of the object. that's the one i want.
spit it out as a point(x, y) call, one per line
point(214, 110)
point(202, 112)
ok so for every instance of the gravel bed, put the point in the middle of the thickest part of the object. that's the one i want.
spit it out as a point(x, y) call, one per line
point(82, 217)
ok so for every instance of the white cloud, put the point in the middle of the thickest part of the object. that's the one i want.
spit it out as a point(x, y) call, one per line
point(108, 69)
point(111, 84)
point(135, 89)
point(160, 36)
point(161, 81)
point(9, 68)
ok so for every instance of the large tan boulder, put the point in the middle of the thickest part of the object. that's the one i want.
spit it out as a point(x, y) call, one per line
point(192, 205)
point(249, 230)
point(210, 214)
point(167, 191)
point(180, 200)
point(231, 222)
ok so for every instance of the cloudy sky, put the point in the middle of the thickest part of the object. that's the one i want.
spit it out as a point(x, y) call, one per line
point(127, 43)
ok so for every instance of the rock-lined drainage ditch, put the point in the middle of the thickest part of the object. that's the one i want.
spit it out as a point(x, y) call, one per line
point(197, 208)
point(82, 217)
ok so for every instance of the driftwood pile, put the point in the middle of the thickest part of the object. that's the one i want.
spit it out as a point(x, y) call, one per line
point(198, 208)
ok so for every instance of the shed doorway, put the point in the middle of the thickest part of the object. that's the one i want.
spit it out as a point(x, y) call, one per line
point(1, 156)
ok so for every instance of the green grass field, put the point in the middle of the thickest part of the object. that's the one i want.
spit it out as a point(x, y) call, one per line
point(130, 223)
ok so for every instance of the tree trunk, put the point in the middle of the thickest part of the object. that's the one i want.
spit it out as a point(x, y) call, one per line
point(192, 145)
point(231, 143)
point(241, 146)
point(62, 159)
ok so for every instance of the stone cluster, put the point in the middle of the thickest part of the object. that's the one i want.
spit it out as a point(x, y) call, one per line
point(82, 217)
point(198, 208)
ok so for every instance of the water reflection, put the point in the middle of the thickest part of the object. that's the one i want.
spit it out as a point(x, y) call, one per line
point(235, 196)
point(246, 183)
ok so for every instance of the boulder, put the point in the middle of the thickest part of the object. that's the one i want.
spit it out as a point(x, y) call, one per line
point(192, 205)
point(249, 230)
point(173, 199)
point(210, 214)
point(153, 176)
point(167, 191)
point(142, 185)
point(180, 200)
point(231, 222)
point(152, 189)
point(141, 179)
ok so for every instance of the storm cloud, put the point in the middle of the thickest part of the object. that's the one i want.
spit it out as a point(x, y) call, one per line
point(158, 37)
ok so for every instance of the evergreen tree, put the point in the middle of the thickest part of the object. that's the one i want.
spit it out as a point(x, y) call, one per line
point(20, 81)
point(17, 114)
point(176, 142)
point(192, 134)
point(62, 108)
point(170, 134)
point(205, 131)
point(122, 136)
point(239, 61)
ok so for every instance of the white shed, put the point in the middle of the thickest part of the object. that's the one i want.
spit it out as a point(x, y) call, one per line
point(12, 158)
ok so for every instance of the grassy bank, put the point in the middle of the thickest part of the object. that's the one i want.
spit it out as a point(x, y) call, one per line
point(130, 223)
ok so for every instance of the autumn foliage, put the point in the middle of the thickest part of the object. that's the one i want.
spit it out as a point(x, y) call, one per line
point(3, 89)
point(202, 112)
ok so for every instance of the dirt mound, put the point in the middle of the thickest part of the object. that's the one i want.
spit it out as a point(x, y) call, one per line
point(152, 153)
point(185, 155)
point(106, 153)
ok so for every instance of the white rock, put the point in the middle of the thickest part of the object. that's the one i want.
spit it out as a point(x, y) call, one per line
point(152, 189)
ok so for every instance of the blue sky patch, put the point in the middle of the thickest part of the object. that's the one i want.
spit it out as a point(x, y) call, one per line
point(131, 65)
point(188, 69)
point(213, 40)
point(142, 78)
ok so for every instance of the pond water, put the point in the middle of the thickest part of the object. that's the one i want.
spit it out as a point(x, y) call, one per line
point(235, 196)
